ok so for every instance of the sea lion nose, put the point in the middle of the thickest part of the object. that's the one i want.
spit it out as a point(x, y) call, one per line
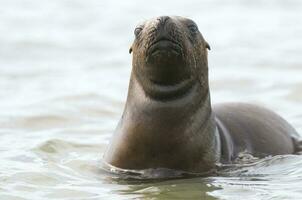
point(163, 27)
point(163, 19)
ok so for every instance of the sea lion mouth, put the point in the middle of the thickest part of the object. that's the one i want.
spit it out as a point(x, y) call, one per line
point(165, 63)
point(165, 47)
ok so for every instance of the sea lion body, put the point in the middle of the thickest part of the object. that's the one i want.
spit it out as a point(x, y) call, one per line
point(252, 129)
point(168, 120)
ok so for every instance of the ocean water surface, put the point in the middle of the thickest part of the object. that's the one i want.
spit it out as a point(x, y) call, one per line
point(64, 72)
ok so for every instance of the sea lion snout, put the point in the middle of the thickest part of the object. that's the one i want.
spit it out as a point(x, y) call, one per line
point(163, 19)
point(165, 41)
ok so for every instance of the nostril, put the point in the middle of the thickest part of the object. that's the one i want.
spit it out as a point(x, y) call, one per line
point(163, 19)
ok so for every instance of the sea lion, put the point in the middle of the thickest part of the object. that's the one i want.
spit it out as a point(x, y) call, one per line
point(168, 120)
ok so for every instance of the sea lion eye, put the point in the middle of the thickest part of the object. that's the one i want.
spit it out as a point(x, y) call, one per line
point(193, 28)
point(137, 31)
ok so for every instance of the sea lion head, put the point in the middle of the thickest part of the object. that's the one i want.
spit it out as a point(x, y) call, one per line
point(169, 56)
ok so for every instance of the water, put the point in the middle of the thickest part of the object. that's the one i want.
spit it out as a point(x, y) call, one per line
point(64, 71)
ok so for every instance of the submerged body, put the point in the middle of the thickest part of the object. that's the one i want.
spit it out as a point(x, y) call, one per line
point(168, 120)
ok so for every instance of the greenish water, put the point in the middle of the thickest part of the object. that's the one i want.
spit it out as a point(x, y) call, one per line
point(64, 72)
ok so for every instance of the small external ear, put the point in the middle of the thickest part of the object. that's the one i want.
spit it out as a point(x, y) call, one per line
point(208, 46)
point(130, 50)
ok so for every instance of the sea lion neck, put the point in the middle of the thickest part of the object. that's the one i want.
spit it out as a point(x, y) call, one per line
point(161, 134)
point(162, 92)
point(188, 91)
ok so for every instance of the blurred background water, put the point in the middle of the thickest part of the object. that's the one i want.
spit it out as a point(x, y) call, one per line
point(64, 72)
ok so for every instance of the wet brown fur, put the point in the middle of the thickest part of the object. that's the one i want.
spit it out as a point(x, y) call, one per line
point(168, 120)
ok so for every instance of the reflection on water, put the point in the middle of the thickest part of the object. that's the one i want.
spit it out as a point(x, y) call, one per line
point(176, 189)
point(64, 71)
